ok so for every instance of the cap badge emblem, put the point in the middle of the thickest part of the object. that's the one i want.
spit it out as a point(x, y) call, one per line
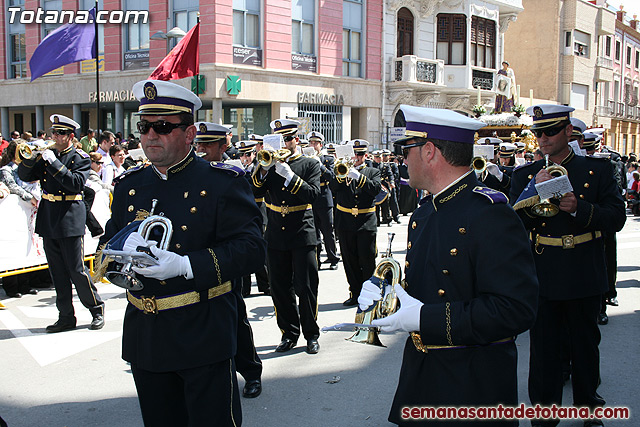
point(278, 124)
point(537, 111)
point(203, 128)
point(150, 91)
point(56, 119)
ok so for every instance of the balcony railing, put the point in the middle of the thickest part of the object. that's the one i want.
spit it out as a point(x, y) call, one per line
point(604, 111)
point(601, 61)
point(410, 68)
point(481, 78)
point(619, 109)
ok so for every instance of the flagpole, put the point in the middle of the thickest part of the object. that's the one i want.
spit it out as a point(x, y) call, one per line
point(95, 21)
point(198, 74)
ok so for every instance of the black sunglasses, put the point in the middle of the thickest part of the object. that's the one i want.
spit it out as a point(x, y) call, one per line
point(60, 132)
point(548, 131)
point(359, 154)
point(405, 148)
point(246, 154)
point(161, 127)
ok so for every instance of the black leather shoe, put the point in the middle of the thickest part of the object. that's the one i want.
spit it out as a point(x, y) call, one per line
point(350, 302)
point(603, 319)
point(312, 346)
point(333, 266)
point(14, 295)
point(397, 220)
point(612, 301)
point(32, 292)
point(60, 327)
point(285, 345)
point(97, 322)
point(252, 389)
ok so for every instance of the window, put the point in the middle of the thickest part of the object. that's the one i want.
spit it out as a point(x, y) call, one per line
point(628, 56)
point(637, 59)
point(50, 5)
point(581, 43)
point(303, 15)
point(579, 96)
point(246, 23)
point(185, 16)
point(618, 48)
point(352, 38)
point(137, 36)
point(451, 39)
point(483, 42)
point(607, 46)
point(405, 32)
point(17, 51)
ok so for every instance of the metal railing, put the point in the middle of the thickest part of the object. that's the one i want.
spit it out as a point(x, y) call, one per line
point(410, 68)
point(601, 61)
point(604, 111)
point(482, 79)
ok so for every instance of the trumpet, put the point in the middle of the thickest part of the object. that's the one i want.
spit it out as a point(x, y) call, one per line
point(545, 208)
point(342, 166)
point(266, 158)
point(26, 152)
point(479, 164)
point(389, 271)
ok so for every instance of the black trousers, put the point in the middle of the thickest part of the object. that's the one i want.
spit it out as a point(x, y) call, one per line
point(247, 361)
point(203, 396)
point(64, 257)
point(262, 280)
point(295, 273)
point(358, 250)
point(611, 259)
point(323, 218)
point(557, 321)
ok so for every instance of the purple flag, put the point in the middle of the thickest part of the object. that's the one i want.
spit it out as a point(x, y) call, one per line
point(65, 45)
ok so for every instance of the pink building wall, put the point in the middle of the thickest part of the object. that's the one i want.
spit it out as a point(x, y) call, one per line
point(277, 34)
point(330, 37)
point(374, 40)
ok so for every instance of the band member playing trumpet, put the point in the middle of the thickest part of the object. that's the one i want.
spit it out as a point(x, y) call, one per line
point(290, 187)
point(63, 171)
point(180, 330)
point(467, 293)
point(356, 219)
point(570, 261)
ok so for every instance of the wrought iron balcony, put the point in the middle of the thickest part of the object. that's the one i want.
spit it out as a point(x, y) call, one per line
point(482, 78)
point(410, 68)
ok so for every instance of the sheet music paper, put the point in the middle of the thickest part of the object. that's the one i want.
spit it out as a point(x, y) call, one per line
point(273, 141)
point(575, 146)
point(554, 188)
point(309, 151)
point(344, 151)
point(485, 151)
point(235, 162)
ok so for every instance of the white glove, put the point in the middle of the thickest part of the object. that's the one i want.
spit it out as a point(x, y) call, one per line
point(284, 170)
point(353, 174)
point(170, 265)
point(369, 294)
point(134, 240)
point(407, 318)
point(49, 156)
point(494, 170)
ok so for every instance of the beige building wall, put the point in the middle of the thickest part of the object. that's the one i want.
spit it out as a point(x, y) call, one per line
point(531, 46)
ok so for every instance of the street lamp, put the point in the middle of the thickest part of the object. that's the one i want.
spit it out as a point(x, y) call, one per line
point(174, 33)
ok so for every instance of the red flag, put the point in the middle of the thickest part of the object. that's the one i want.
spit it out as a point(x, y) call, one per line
point(183, 60)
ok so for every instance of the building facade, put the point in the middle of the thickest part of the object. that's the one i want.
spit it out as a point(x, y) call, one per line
point(261, 60)
point(621, 96)
point(443, 53)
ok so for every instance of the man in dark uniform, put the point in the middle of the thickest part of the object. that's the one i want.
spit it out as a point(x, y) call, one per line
point(468, 293)
point(569, 255)
point(289, 188)
point(323, 206)
point(356, 219)
point(61, 219)
point(394, 177)
point(493, 177)
point(248, 363)
point(180, 331)
point(382, 208)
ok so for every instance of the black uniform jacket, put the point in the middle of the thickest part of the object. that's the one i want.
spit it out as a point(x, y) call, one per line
point(325, 199)
point(217, 224)
point(296, 228)
point(468, 261)
point(581, 271)
point(63, 179)
point(358, 194)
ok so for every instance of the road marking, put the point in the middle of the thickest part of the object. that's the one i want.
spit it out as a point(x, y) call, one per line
point(620, 235)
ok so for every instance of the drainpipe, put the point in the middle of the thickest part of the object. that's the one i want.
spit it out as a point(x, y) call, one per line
point(384, 72)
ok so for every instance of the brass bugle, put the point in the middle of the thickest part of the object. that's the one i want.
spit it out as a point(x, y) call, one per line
point(479, 164)
point(267, 157)
point(25, 151)
point(545, 208)
point(342, 167)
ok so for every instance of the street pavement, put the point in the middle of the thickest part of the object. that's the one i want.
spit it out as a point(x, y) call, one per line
point(78, 379)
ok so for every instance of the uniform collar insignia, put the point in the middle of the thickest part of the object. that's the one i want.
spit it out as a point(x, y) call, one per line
point(568, 158)
point(66, 150)
point(294, 157)
point(451, 191)
point(181, 164)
